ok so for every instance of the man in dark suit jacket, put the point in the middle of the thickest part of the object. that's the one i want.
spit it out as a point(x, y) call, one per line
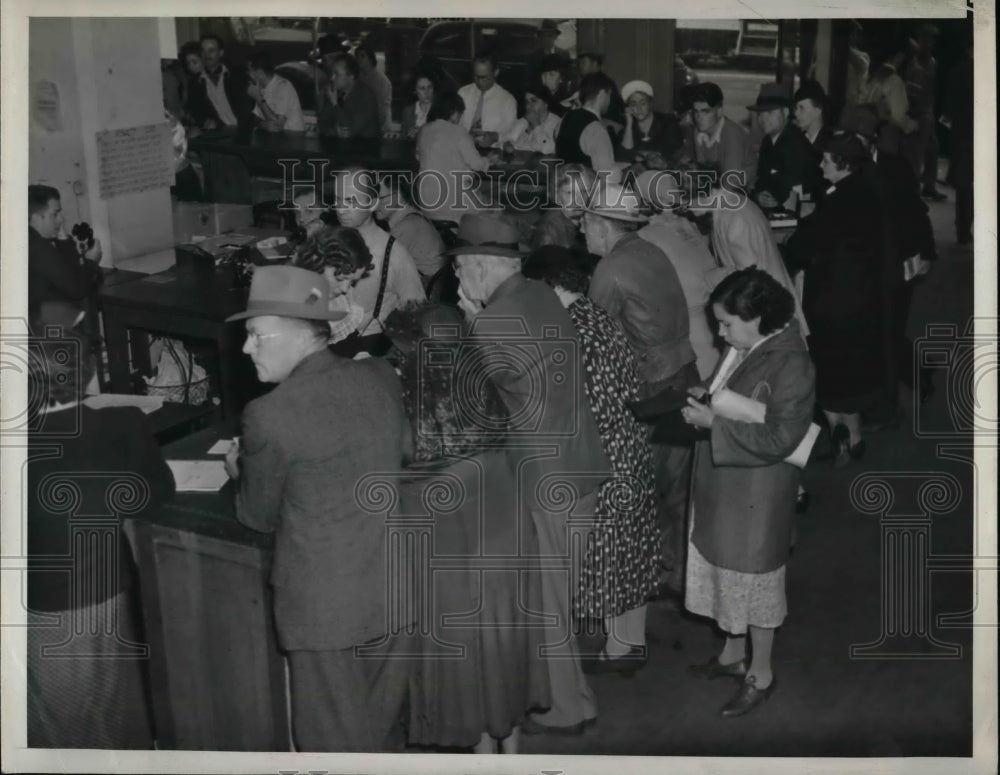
point(306, 448)
point(219, 96)
point(526, 342)
point(785, 158)
point(350, 107)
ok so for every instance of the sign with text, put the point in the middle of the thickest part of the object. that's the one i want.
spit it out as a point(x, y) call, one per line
point(136, 159)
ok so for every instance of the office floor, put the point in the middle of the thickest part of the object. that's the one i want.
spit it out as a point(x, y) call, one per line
point(828, 703)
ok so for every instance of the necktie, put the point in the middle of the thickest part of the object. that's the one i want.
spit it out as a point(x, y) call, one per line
point(477, 117)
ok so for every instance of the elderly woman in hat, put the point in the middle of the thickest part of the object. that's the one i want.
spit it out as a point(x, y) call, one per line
point(536, 130)
point(653, 138)
point(459, 438)
point(841, 248)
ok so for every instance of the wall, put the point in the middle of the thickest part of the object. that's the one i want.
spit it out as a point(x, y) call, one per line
point(634, 49)
point(107, 72)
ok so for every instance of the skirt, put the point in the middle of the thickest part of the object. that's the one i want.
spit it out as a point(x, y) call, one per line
point(735, 600)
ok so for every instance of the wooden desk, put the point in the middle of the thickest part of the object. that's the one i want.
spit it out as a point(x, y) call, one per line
point(179, 304)
point(217, 677)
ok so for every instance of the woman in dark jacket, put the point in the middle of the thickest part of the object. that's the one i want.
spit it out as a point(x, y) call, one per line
point(86, 687)
point(841, 248)
point(743, 490)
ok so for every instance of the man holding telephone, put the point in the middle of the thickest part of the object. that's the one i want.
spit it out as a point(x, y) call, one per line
point(63, 271)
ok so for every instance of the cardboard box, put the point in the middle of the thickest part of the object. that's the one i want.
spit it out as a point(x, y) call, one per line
point(196, 219)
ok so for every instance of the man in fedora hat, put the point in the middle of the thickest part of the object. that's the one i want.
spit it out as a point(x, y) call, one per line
point(525, 341)
point(810, 109)
point(548, 33)
point(784, 155)
point(305, 447)
point(637, 284)
point(909, 234)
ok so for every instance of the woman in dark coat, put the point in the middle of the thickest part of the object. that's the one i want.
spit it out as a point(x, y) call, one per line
point(743, 490)
point(840, 247)
point(483, 668)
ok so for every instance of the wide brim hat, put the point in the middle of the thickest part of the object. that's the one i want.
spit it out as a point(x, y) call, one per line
point(771, 96)
point(860, 119)
point(660, 189)
point(485, 235)
point(288, 292)
point(636, 86)
point(618, 203)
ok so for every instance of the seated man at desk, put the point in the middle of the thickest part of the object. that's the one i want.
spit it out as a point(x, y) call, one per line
point(306, 445)
point(350, 108)
point(582, 138)
point(62, 270)
point(490, 110)
point(720, 144)
point(218, 97)
point(785, 160)
point(277, 106)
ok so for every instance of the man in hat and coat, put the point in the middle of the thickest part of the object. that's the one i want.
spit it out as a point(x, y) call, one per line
point(810, 114)
point(638, 285)
point(785, 157)
point(526, 343)
point(305, 448)
point(547, 52)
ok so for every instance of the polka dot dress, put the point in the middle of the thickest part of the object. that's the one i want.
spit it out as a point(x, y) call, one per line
point(620, 568)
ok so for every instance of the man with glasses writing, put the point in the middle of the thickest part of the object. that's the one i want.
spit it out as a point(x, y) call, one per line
point(490, 110)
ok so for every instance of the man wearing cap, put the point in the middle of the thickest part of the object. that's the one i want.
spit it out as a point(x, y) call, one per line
point(784, 155)
point(547, 35)
point(810, 108)
point(306, 445)
point(719, 143)
point(655, 139)
point(527, 344)
point(558, 92)
point(909, 238)
point(637, 284)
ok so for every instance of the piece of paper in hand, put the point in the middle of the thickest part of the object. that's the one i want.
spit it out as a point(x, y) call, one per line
point(198, 475)
point(221, 447)
point(148, 404)
point(733, 406)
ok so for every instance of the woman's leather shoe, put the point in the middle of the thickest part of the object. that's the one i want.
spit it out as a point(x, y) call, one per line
point(626, 665)
point(747, 698)
point(712, 669)
point(841, 442)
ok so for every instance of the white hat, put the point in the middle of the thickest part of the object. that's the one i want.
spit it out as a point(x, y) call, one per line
point(633, 86)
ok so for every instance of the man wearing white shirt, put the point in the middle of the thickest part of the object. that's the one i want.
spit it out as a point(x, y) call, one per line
point(356, 194)
point(277, 103)
point(490, 110)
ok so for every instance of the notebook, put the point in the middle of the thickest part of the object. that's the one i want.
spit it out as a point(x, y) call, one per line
point(198, 475)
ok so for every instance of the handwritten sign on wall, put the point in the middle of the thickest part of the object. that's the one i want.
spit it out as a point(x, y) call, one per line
point(135, 159)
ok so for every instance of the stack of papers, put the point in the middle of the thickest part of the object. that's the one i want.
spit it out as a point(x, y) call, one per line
point(148, 404)
point(198, 475)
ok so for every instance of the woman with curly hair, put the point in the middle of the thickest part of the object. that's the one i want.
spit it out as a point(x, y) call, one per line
point(482, 668)
point(341, 255)
point(621, 566)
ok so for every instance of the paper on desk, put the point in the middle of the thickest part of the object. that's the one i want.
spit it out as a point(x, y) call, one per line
point(148, 404)
point(221, 447)
point(198, 475)
point(733, 406)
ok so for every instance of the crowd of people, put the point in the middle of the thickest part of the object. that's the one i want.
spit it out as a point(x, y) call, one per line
point(622, 394)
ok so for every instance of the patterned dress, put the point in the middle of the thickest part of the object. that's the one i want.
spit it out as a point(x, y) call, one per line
point(621, 565)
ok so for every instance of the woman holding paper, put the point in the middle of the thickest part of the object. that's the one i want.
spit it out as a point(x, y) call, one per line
point(757, 409)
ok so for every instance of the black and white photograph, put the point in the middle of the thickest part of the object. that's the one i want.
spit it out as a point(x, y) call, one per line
point(550, 394)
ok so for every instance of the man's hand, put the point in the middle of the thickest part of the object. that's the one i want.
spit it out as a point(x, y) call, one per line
point(487, 138)
point(765, 199)
point(697, 414)
point(210, 124)
point(254, 91)
point(94, 253)
point(232, 460)
point(271, 126)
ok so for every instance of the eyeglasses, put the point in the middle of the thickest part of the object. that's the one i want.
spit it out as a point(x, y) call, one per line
point(255, 337)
